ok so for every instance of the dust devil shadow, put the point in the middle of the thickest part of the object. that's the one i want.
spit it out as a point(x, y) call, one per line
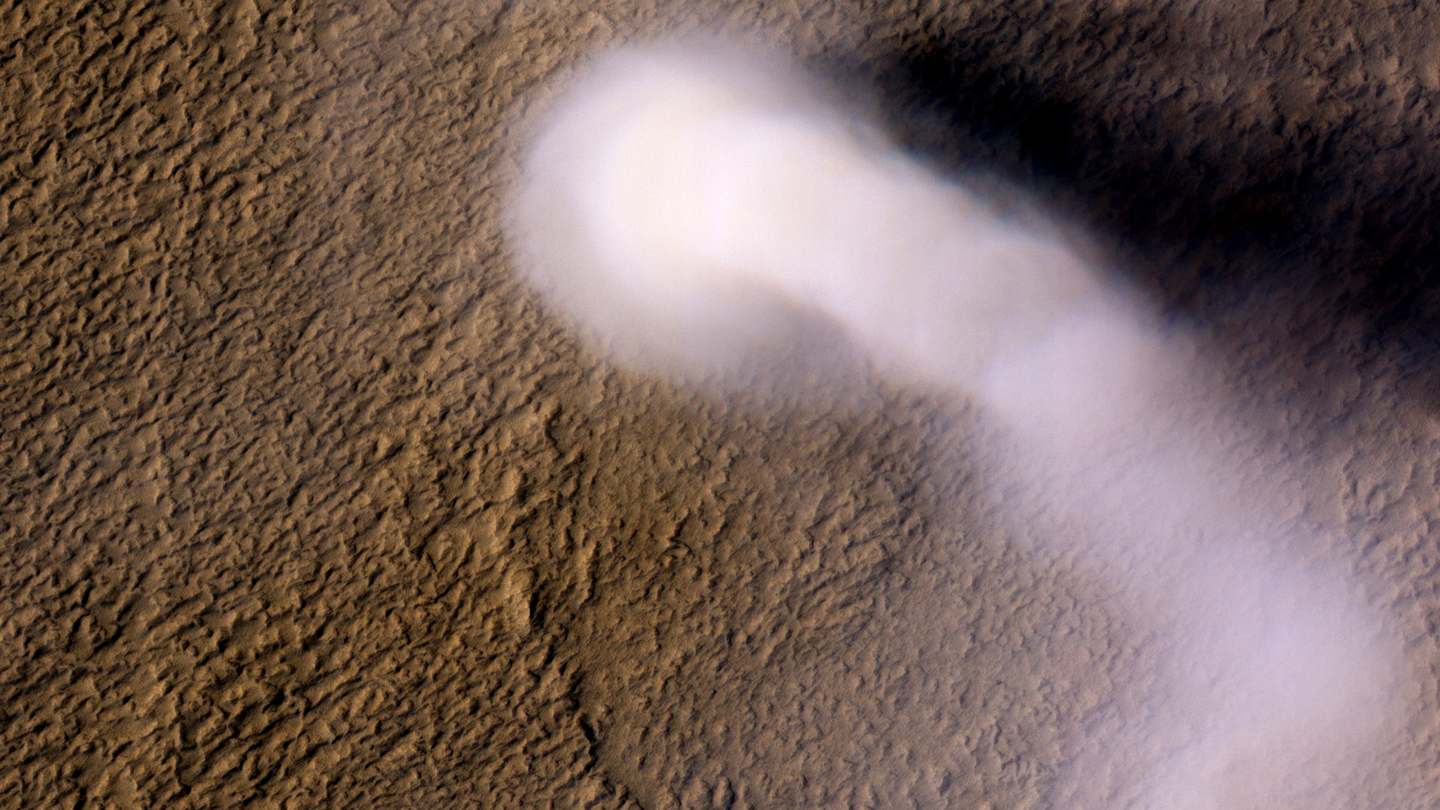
point(1280, 214)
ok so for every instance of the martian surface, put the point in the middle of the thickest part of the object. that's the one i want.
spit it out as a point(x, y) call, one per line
point(383, 424)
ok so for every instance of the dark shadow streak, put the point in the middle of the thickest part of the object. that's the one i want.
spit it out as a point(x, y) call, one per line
point(1294, 221)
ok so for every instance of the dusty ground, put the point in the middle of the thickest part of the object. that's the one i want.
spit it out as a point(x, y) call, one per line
point(308, 503)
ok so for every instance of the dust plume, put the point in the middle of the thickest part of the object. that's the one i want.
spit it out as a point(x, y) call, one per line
point(682, 203)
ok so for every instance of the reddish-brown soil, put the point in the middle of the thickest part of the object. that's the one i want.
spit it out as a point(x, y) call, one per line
point(305, 501)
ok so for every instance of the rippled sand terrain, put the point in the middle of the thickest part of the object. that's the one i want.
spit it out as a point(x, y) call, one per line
point(307, 499)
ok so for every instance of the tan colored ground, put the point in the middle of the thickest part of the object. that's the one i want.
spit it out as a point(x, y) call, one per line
point(308, 503)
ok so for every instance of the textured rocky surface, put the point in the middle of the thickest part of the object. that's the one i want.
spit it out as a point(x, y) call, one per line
point(308, 502)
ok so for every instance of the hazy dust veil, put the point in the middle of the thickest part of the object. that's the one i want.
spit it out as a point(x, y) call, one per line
point(683, 202)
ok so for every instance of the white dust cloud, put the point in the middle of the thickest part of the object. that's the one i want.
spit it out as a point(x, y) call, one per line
point(673, 187)
point(681, 201)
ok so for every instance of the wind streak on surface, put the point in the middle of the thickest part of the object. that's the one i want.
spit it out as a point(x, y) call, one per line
point(681, 202)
